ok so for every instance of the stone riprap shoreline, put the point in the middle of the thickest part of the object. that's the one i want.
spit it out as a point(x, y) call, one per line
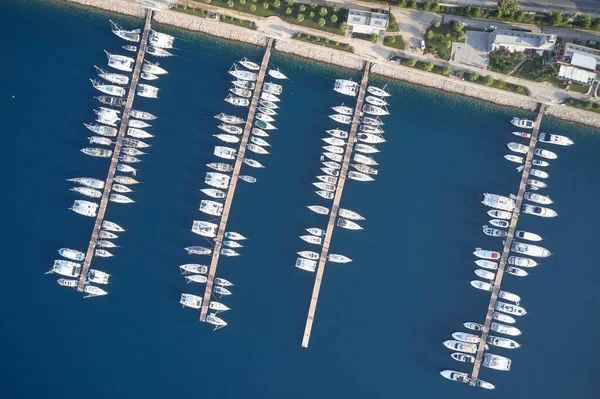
point(346, 60)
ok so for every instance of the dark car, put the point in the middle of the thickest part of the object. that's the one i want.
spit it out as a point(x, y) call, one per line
point(521, 30)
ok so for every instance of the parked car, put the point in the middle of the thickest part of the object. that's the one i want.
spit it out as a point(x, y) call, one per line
point(422, 44)
point(492, 27)
point(521, 30)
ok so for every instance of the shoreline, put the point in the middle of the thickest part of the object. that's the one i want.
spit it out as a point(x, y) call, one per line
point(348, 60)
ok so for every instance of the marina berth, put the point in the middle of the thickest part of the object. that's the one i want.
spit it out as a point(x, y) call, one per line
point(138, 133)
point(129, 142)
point(480, 285)
point(110, 226)
point(272, 88)
point(473, 326)
point(191, 301)
point(536, 184)
point(66, 268)
point(125, 180)
point(193, 268)
point(371, 129)
point(223, 283)
point(365, 148)
point(256, 149)
point(229, 252)
point(247, 179)
point(338, 133)
point(537, 162)
point(503, 318)
point(264, 125)
point(514, 158)
point(321, 210)
point(244, 84)
point(334, 149)
point(359, 176)
point(346, 87)
point(510, 309)
point(370, 138)
point(336, 258)
point(268, 104)
point(264, 117)
point(267, 111)
point(333, 156)
point(332, 165)
point(211, 207)
point(504, 329)
point(230, 119)
point(145, 90)
point(531, 250)
point(148, 76)
point(230, 129)
point(232, 244)
point(539, 211)
point(161, 39)
point(106, 244)
point(245, 62)
point(225, 152)
point(92, 291)
point(129, 35)
point(539, 173)
point(342, 109)
point(486, 264)
point(522, 123)
point(205, 229)
point(348, 224)
point(221, 290)
point(496, 362)
point(241, 92)
point(545, 153)
point(466, 337)
point(331, 171)
point(197, 250)
point(107, 116)
point(137, 123)
point(315, 231)
point(374, 110)
point(195, 278)
point(509, 296)
point(228, 138)
point(259, 141)
point(348, 214)
point(499, 223)
point(120, 199)
point(100, 140)
point(521, 262)
point(525, 135)
point(120, 62)
point(130, 47)
point(309, 255)
point(277, 74)
point(129, 159)
point(132, 151)
point(147, 116)
point(158, 52)
point(88, 182)
point(334, 141)
point(369, 121)
point(345, 119)
point(379, 102)
point(126, 168)
point(500, 342)
point(71, 254)
point(97, 152)
point(498, 202)
point(98, 277)
point(460, 346)
point(518, 148)
point(376, 91)
point(499, 214)
point(455, 376)
point(211, 318)
point(85, 208)
point(259, 132)
point(555, 139)
point(306, 264)
point(67, 282)
point(88, 192)
point(538, 198)
point(486, 274)
point(112, 77)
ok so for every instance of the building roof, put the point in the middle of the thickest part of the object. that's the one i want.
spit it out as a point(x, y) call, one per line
point(511, 38)
point(583, 61)
point(576, 74)
point(374, 18)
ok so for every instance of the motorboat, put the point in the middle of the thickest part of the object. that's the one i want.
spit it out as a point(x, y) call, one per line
point(337, 258)
point(346, 87)
point(536, 184)
point(325, 194)
point(85, 208)
point(364, 168)
point(120, 198)
point(126, 168)
point(193, 268)
point(521, 262)
point(87, 191)
point(518, 148)
point(480, 285)
point(376, 91)
point(348, 214)
point(466, 337)
point(496, 362)
point(334, 149)
point(268, 104)
point(97, 152)
point(498, 202)
point(370, 138)
point(196, 278)
point(110, 226)
point(348, 224)
point(538, 198)
point(218, 306)
point(215, 321)
point(116, 78)
point(252, 163)
point(205, 229)
point(65, 282)
point(120, 62)
point(537, 162)
point(147, 91)
point(230, 119)
point(365, 148)
point(498, 214)
point(539, 173)
point(264, 125)
point(100, 140)
point(153, 68)
point(259, 132)
point(374, 110)
point(241, 74)
point(525, 235)
point(228, 138)
point(489, 231)
point(130, 47)
point(88, 182)
point(312, 239)
point(315, 231)
point(272, 88)
point(306, 264)
point(276, 73)
point(504, 329)
point(232, 235)
point(129, 35)
point(98, 276)
point(256, 149)
point(555, 139)
point(248, 179)
point(138, 123)
point(545, 153)
point(379, 102)
point(365, 160)
point(102, 253)
point(220, 166)
point(367, 120)
point(473, 326)
point(269, 97)
point(461, 357)
point(515, 271)
point(460, 346)
point(509, 296)
point(334, 141)
point(267, 111)
point(244, 84)
point(138, 133)
point(514, 158)
point(191, 301)
point(524, 135)
point(71, 254)
point(259, 141)
point(92, 291)
point(539, 211)
point(486, 254)
point(503, 318)
point(232, 244)
point(332, 165)
point(65, 268)
point(499, 223)
point(107, 235)
point(486, 264)
point(331, 171)
point(225, 152)
point(341, 118)
point(222, 282)
point(212, 208)
point(455, 376)
point(486, 274)
point(102, 130)
point(214, 193)
point(510, 309)
point(229, 252)
point(502, 342)
point(321, 210)
point(241, 92)
point(333, 156)
point(522, 123)
point(148, 76)
point(125, 179)
point(338, 133)
point(196, 250)
point(309, 255)
point(327, 179)
point(531, 250)
point(342, 109)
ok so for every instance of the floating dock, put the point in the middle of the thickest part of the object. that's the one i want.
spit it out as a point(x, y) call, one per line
point(117, 151)
point(507, 246)
point(336, 204)
point(233, 182)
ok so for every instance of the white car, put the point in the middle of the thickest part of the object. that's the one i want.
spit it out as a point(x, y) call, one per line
point(422, 44)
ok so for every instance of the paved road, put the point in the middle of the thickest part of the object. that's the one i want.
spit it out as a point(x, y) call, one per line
point(571, 6)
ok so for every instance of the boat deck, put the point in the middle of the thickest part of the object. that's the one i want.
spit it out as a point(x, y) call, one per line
point(334, 208)
point(507, 245)
point(233, 182)
point(117, 151)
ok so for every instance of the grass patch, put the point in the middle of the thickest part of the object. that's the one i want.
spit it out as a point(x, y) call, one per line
point(190, 10)
point(364, 36)
point(392, 24)
point(535, 69)
point(439, 38)
point(305, 15)
point(587, 105)
point(579, 88)
point(239, 22)
point(496, 83)
point(504, 61)
point(323, 41)
point(396, 42)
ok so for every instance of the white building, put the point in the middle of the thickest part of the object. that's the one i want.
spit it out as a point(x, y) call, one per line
point(579, 63)
point(519, 41)
point(370, 22)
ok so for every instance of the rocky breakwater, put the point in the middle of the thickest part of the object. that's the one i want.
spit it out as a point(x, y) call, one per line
point(454, 85)
point(118, 6)
point(574, 115)
point(319, 53)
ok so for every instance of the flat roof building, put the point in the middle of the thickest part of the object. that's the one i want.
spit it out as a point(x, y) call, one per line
point(578, 63)
point(370, 22)
point(519, 41)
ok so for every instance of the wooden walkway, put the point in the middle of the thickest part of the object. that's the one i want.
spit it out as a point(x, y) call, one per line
point(334, 208)
point(116, 152)
point(233, 182)
point(507, 245)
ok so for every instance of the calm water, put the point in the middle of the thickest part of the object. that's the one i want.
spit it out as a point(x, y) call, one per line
point(381, 319)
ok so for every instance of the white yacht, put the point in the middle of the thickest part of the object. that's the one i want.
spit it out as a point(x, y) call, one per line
point(348, 224)
point(342, 109)
point(321, 210)
point(191, 301)
point(510, 309)
point(153, 68)
point(277, 74)
point(107, 116)
point(228, 138)
point(272, 88)
point(161, 39)
point(253, 66)
point(98, 276)
point(555, 139)
point(103, 253)
point(269, 97)
point(462, 357)
point(259, 141)
point(365, 148)
point(332, 165)
point(545, 153)
point(480, 285)
point(256, 149)
point(87, 191)
point(217, 180)
point(365, 160)
point(65, 282)
point(514, 158)
point(138, 123)
point(486, 264)
point(205, 229)
point(214, 193)
point(157, 51)
point(515, 271)
point(245, 93)
point(102, 130)
point(221, 290)
point(539, 211)
point(489, 231)
point(230, 119)
point(498, 202)
point(486, 274)
point(89, 182)
point(225, 152)
point(379, 102)
point(331, 171)
point(348, 214)
point(92, 291)
point(499, 223)
point(218, 306)
point(121, 199)
point(337, 258)
point(455, 376)
point(376, 91)
point(312, 239)
point(106, 244)
point(196, 278)
point(193, 268)
point(110, 226)
point(264, 125)
point(502, 342)
point(144, 90)
point(374, 110)
point(486, 254)
point(364, 168)
point(341, 118)
point(230, 129)
point(531, 250)
point(371, 129)
point(367, 120)
point(521, 262)
point(537, 162)
point(538, 198)
point(338, 133)
point(473, 326)
point(334, 141)
point(116, 78)
point(498, 214)
point(148, 76)
point(220, 166)
point(71, 254)
point(97, 152)
point(138, 133)
point(496, 362)
point(315, 231)
point(66, 268)
point(85, 208)
point(370, 138)
point(325, 186)
point(504, 329)
point(460, 346)
point(126, 168)
point(503, 318)
point(232, 244)
point(215, 321)
point(536, 184)
point(213, 208)
point(268, 104)
point(232, 235)
point(244, 84)
point(509, 296)
point(222, 282)
point(522, 123)
point(518, 148)
point(129, 35)
point(539, 173)
point(525, 235)
point(100, 140)
point(229, 252)
point(131, 151)
point(120, 62)
point(253, 163)
point(147, 116)
point(333, 156)
point(309, 255)
point(242, 74)
point(346, 87)
point(466, 337)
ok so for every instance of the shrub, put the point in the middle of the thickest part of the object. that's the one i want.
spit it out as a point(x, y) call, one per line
point(290, 2)
point(230, 3)
point(337, 44)
point(311, 15)
point(437, 24)
point(488, 80)
point(585, 21)
point(288, 10)
point(473, 77)
point(428, 67)
point(266, 5)
point(435, 6)
point(313, 5)
point(500, 84)
point(300, 17)
point(427, 6)
point(520, 90)
point(557, 18)
point(343, 25)
point(446, 70)
point(302, 8)
point(317, 39)
point(520, 16)
point(207, 1)
point(333, 18)
point(478, 12)
point(277, 3)
point(390, 39)
point(326, 40)
point(322, 22)
point(411, 62)
point(374, 38)
point(412, 3)
point(298, 34)
point(252, 7)
point(461, 36)
point(458, 26)
point(336, 8)
point(323, 11)
point(448, 43)
point(402, 3)
point(429, 35)
point(507, 7)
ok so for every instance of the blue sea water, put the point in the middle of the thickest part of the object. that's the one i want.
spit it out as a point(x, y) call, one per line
point(381, 319)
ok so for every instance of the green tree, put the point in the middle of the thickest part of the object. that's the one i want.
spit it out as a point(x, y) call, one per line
point(435, 6)
point(374, 38)
point(323, 11)
point(207, 1)
point(277, 3)
point(322, 22)
point(478, 12)
point(426, 6)
point(230, 3)
point(557, 18)
point(300, 17)
point(586, 21)
point(520, 16)
point(473, 76)
point(507, 7)
point(461, 37)
point(500, 84)
point(266, 5)
point(429, 35)
point(446, 70)
point(326, 40)
point(311, 15)
point(343, 26)
point(334, 18)
point(302, 8)
point(448, 44)
point(313, 5)
point(437, 24)
point(335, 8)
point(411, 62)
point(428, 67)
point(290, 2)
point(298, 34)
point(458, 26)
point(288, 10)
point(402, 3)
point(520, 90)
point(488, 80)
point(252, 7)
point(412, 3)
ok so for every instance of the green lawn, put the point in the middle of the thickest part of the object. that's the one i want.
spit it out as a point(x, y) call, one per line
point(534, 69)
point(398, 42)
point(504, 62)
point(239, 22)
point(193, 11)
point(587, 105)
point(579, 88)
point(441, 41)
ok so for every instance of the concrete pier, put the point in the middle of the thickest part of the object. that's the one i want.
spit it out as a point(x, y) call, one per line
point(335, 206)
point(233, 181)
point(116, 152)
point(507, 246)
